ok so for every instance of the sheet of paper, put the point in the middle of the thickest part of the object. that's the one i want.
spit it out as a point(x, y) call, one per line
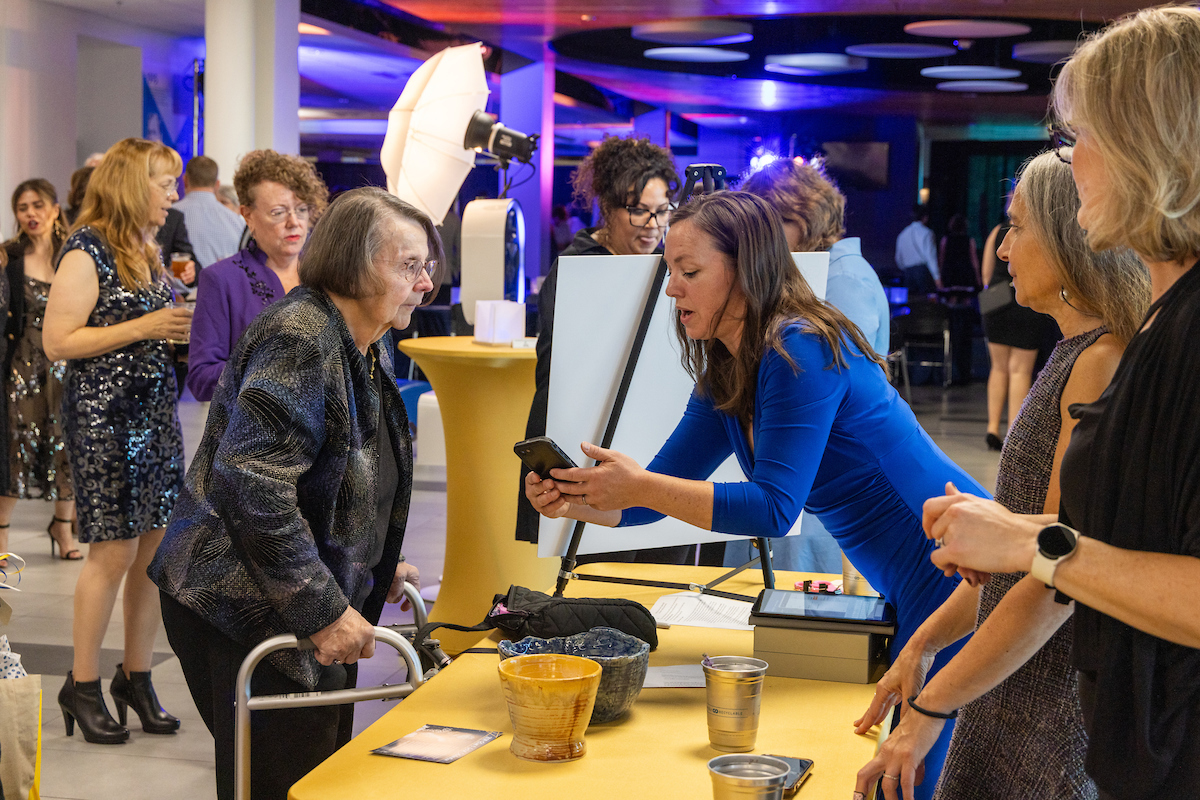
point(437, 743)
point(702, 611)
point(681, 676)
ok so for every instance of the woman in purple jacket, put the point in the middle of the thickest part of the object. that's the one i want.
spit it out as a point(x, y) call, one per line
point(282, 196)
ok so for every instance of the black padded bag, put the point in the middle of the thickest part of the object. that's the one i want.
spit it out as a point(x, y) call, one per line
point(523, 612)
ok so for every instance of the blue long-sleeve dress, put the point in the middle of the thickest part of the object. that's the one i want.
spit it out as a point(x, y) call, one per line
point(841, 443)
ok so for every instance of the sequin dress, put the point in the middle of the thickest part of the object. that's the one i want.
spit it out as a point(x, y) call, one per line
point(1025, 738)
point(40, 467)
point(122, 428)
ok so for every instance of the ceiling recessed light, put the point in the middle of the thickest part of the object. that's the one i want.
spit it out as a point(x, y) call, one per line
point(970, 72)
point(982, 87)
point(694, 31)
point(901, 50)
point(1050, 52)
point(810, 64)
point(966, 28)
point(696, 55)
point(312, 30)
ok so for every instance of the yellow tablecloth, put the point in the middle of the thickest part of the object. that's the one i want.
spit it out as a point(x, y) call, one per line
point(658, 751)
point(484, 395)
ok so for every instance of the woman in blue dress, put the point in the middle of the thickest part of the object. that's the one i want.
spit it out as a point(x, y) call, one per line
point(807, 410)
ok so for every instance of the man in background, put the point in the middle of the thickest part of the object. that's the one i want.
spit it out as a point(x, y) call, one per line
point(916, 254)
point(214, 230)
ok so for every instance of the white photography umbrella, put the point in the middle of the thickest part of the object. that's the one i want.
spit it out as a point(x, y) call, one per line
point(423, 153)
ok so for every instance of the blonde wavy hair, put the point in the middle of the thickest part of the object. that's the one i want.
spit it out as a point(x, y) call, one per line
point(117, 206)
point(1134, 87)
point(800, 190)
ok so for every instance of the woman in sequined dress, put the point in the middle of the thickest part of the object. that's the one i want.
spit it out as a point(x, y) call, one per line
point(282, 197)
point(109, 314)
point(37, 459)
point(1024, 736)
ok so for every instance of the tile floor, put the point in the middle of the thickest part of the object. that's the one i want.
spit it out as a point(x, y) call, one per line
point(181, 765)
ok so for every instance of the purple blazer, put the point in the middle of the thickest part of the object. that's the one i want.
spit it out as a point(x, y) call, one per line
point(230, 294)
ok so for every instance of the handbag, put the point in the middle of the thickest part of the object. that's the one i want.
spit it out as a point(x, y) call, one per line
point(524, 612)
point(996, 297)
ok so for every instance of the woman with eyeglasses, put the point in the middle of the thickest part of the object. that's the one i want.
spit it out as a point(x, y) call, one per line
point(1126, 541)
point(282, 196)
point(634, 182)
point(109, 314)
point(293, 513)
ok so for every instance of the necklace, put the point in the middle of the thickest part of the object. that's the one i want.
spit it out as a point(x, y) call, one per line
point(371, 352)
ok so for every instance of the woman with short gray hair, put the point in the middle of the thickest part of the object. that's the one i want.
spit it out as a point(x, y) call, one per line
point(293, 513)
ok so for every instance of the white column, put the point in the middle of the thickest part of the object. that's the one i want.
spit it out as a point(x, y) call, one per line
point(251, 78)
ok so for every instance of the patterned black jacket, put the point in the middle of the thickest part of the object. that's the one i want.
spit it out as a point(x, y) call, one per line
point(276, 523)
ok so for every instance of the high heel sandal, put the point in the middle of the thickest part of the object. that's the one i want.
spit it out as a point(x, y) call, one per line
point(83, 702)
point(994, 442)
point(137, 691)
point(67, 555)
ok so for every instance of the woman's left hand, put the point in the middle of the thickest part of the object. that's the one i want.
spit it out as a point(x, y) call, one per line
point(405, 573)
point(900, 762)
point(611, 485)
point(977, 535)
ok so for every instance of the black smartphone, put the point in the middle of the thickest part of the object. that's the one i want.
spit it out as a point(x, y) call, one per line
point(541, 455)
point(801, 768)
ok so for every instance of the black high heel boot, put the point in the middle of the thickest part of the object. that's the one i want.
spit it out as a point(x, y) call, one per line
point(84, 703)
point(137, 691)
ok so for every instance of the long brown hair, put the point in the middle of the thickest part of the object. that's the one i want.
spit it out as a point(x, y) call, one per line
point(117, 206)
point(749, 230)
point(45, 190)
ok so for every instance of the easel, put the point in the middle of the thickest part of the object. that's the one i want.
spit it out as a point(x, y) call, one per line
point(712, 178)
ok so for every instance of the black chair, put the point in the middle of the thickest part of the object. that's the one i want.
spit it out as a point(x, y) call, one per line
point(927, 328)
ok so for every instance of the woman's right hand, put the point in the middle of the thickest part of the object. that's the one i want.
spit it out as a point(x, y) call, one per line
point(904, 679)
point(167, 323)
point(347, 639)
point(544, 496)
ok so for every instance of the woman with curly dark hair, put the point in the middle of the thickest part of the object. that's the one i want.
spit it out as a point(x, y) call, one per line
point(38, 464)
point(282, 196)
point(634, 182)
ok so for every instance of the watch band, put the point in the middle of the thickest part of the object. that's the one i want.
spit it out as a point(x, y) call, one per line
point(1044, 564)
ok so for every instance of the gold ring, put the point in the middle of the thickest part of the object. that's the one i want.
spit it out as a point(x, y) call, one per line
point(891, 777)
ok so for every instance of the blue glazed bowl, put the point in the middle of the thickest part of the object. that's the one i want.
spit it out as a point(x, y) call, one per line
point(623, 661)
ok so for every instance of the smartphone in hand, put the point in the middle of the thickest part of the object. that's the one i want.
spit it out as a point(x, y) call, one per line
point(541, 455)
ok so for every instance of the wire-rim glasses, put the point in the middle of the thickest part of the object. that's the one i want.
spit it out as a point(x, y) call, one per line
point(412, 268)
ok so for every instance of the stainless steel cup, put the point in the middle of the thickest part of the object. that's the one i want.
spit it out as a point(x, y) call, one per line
point(747, 777)
point(853, 582)
point(734, 686)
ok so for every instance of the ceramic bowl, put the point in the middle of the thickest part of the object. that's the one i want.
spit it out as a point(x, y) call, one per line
point(550, 699)
point(623, 658)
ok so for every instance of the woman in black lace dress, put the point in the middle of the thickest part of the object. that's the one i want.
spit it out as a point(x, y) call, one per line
point(109, 314)
point(38, 463)
point(1023, 737)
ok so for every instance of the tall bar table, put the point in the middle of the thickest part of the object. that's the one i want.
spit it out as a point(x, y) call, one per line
point(484, 394)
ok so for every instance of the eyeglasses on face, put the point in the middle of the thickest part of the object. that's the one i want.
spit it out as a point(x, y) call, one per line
point(1062, 138)
point(640, 217)
point(413, 267)
point(280, 213)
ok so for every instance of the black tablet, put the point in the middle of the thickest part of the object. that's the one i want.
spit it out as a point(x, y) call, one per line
point(785, 604)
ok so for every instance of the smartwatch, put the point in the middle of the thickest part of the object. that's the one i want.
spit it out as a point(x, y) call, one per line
point(1055, 544)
